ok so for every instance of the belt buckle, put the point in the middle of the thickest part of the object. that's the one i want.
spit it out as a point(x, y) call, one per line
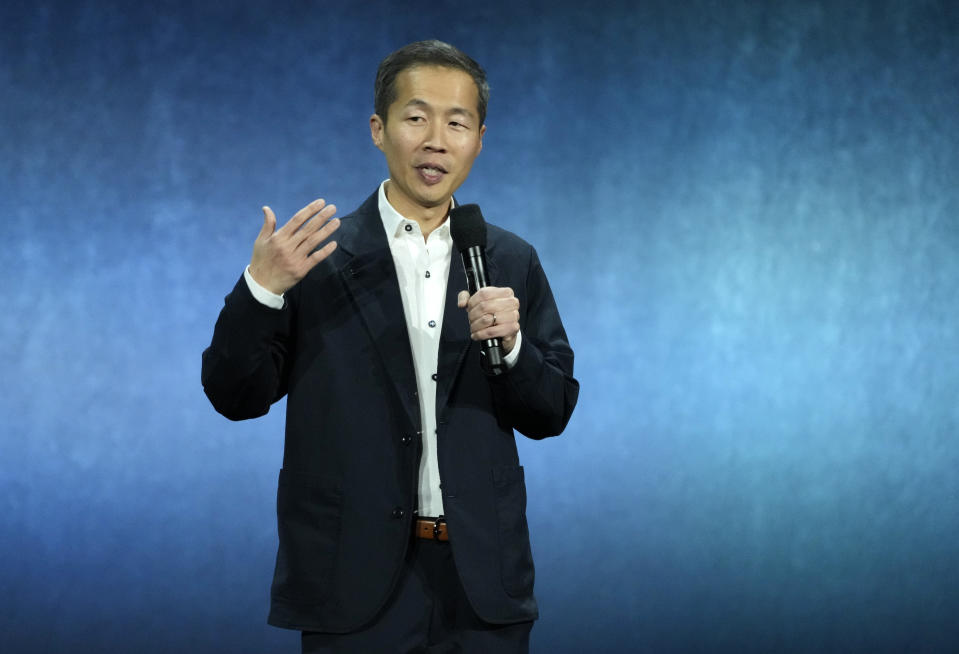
point(436, 526)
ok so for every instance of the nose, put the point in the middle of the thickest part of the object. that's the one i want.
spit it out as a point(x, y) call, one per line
point(434, 139)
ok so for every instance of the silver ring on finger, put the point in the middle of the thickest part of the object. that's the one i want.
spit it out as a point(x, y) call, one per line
point(494, 320)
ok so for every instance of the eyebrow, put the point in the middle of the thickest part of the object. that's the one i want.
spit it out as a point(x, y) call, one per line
point(417, 102)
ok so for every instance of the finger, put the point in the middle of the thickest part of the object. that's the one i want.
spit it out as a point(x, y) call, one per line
point(269, 224)
point(493, 293)
point(302, 216)
point(501, 307)
point(462, 299)
point(319, 255)
point(481, 322)
point(320, 235)
point(499, 330)
point(320, 219)
point(485, 297)
point(484, 321)
point(498, 312)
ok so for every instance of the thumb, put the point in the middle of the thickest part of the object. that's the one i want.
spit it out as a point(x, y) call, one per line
point(462, 299)
point(269, 224)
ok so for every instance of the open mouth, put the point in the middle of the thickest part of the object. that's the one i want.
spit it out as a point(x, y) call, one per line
point(431, 173)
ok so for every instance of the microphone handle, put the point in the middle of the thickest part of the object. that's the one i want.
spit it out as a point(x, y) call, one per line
point(491, 352)
point(475, 263)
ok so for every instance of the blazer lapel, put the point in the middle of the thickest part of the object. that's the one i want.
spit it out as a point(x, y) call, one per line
point(455, 337)
point(369, 275)
point(455, 341)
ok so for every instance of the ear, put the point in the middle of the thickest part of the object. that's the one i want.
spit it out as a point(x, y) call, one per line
point(376, 130)
point(481, 133)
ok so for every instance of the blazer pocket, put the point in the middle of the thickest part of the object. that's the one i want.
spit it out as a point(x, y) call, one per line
point(516, 558)
point(308, 511)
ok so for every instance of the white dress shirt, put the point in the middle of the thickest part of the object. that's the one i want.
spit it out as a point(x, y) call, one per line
point(422, 269)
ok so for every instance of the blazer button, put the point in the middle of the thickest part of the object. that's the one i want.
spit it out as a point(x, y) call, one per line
point(397, 513)
point(407, 439)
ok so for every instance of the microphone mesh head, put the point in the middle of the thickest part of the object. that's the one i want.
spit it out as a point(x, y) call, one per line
point(467, 227)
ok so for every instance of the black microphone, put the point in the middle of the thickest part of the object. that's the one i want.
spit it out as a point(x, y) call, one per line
point(468, 230)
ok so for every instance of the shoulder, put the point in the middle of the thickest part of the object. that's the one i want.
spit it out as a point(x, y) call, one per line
point(362, 219)
point(505, 242)
point(512, 256)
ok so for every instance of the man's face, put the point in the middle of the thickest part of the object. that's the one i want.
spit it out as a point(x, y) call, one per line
point(430, 139)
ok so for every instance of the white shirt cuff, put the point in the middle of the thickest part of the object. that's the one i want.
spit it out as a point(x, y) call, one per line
point(263, 296)
point(510, 359)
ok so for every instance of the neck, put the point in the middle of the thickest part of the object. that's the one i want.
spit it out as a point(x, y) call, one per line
point(428, 218)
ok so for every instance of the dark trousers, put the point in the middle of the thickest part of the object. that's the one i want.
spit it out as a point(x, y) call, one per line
point(428, 612)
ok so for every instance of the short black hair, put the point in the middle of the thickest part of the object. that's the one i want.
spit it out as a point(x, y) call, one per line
point(426, 53)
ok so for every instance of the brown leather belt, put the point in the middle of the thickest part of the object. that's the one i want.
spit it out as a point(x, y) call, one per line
point(431, 528)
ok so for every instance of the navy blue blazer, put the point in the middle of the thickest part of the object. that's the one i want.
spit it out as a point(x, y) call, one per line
point(340, 351)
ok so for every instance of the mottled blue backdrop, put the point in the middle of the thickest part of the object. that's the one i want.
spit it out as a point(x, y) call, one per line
point(749, 212)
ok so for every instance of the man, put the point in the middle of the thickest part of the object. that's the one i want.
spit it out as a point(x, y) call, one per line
point(401, 502)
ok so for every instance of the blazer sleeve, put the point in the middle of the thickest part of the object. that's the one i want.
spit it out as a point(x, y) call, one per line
point(244, 369)
point(538, 394)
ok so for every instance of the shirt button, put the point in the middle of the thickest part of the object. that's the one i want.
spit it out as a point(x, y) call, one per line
point(435, 377)
point(427, 274)
point(397, 513)
point(408, 228)
point(432, 323)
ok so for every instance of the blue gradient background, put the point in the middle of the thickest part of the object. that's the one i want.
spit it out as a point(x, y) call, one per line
point(749, 213)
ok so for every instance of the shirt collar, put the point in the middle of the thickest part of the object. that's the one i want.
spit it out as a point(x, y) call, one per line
point(393, 220)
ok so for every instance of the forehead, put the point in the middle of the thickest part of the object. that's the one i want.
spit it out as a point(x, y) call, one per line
point(442, 88)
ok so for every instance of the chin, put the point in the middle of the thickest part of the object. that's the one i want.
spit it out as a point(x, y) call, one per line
point(435, 199)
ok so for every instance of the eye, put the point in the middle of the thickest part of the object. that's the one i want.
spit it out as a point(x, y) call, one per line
point(416, 119)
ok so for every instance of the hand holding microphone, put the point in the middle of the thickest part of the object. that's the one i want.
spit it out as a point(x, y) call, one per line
point(493, 312)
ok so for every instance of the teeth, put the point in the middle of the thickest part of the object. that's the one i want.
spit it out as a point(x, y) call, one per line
point(431, 171)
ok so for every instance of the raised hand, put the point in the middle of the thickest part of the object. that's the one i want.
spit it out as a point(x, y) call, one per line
point(282, 257)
